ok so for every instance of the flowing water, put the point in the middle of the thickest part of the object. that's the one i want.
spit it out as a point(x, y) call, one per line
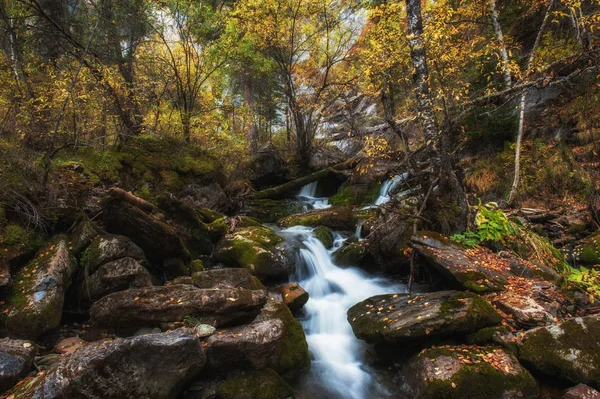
point(308, 194)
point(387, 187)
point(338, 369)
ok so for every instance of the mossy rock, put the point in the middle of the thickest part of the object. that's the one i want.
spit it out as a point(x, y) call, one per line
point(356, 194)
point(569, 351)
point(353, 254)
point(587, 251)
point(457, 372)
point(336, 218)
point(270, 211)
point(196, 266)
point(264, 384)
point(218, 228)
point(325, 235)
point(209, 215)
point(258, 249)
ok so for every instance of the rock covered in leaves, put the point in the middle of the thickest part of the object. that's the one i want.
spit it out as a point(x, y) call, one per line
point(258, 249)
point(151, 306)
point(148, 366)
point(115, 276)
point(264, 384)
point(524, 310)
point(569, 351)
point(294, 296)
point(16, 360)
point(398, 318)
point(457, 372)
point(581, 391)
point(275, 339)
point(37, 297)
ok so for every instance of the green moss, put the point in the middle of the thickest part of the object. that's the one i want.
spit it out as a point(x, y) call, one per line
point(209, 215)
point(589, 256)
point(196, 266)
point(292, 355)
point(270, 211)
point(352, 254)
point(336, 218)
point(485, 335)
point(171, 180)
point(264, 384)
point(325, 235)
point(356, 194)
point(17, 239)
point(218, 228)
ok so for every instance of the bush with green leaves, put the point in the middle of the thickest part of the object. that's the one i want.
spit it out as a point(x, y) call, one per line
point(492, 225)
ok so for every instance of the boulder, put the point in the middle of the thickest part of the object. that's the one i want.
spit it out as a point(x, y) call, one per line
point(524, 310)
point(152, 306)
point(581, 391)
point(69, 345)
point(108, 248)
point(114, 276)
point(356, 194)
point(389, 239)
point(37, 297)
point(457, 372)
point(158, 240)
point(211, 197)
point(226, 278)
point(258, 249)
point(148, 366)
point(275, 339)
point(16, 360)
point(587, 251)
point(399, 318)
point(84, 232)
point(336, 218)
point(569, 351)
point(294, 296)
point(263, 384)
point(324, 156)
point(268, 167)
point(325, 235)
point(353, 254)
point(270, 211)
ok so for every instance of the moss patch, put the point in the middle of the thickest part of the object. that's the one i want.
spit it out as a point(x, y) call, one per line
point(264, 384)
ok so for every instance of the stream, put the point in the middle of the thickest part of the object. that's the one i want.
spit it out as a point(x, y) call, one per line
point(338, 366)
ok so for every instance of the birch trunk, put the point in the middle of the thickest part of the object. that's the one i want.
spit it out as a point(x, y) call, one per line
point(500, 39)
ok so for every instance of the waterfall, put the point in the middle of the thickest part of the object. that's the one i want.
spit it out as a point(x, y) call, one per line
point(387, 187)
point(308, 194)
point(338, 370)
point(358, 231)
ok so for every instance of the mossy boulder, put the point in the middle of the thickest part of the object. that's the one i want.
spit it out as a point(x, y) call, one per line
point(84, 232)
point(37, 296)
point(264, 384)
point(353, 254)
point(275, 339)
point(336, 218)
point(356, 194)
point(457, 372)
point(270, 211)
point(258, 249)
point(17, 245)
point(325, 235)
point(108, 248)
point(569, 351)
point(587, 251)
point(400, 318)
point(226, 278)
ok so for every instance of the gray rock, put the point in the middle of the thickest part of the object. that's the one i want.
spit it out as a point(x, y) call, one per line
point(524, 310)
point(399, 318)
point(108, 248)
point(152, 306)
point(150, 366)
point(16, 359)
point(115, 276)
point(204, 330)
point(581, 391)
point(226, 278)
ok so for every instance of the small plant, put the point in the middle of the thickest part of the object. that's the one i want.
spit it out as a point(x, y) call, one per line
point(492, 225)
point(584, 280)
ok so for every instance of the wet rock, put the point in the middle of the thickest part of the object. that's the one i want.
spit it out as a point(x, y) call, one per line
point(353, 254)
point(398, 318)
point(108, 248)
point(37, 297)
point(336, 218)
point(389, 239)
point(270, 211)
point(457, 372)
point(258, 249)
point(569, 351)
point(325, 235)
point(264, 384)
point(581, 391)
point(525, 311)
point(294, 296)
point(275, 339)
point(16, 360)
point(226, 278)
point(158, 240)
point(116, 276)
point(152, 306)
point(69, 345)
point(149, 366)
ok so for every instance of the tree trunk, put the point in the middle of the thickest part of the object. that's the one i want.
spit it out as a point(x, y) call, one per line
point(523, 104)
point(251, 129)
point(500, 39)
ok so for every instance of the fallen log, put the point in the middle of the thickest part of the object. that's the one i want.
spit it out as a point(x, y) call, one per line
point(283, 189)
point(131, 199)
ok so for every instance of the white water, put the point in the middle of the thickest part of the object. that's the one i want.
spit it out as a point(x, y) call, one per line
point(338, 369)
point(387, 187)
point(308, 194)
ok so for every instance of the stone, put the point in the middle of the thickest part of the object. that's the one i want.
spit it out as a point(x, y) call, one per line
point(581, 391)
point(399, 318)
point(226, 278)
point(115, 276)
point(158, 240)
point(524, 310)
point(152, 306)
point(69, 345)
point(268, 167)
point(83, 234)
point(148, 366)
point(108, 248)
point(325, 235)
point(353, 254)
point(211, 197)
point(270, 211)
point(264, 384)
point(294, 296)
point(36, 300)
point(16, 360)
point(204, 330)
point(569, 351)
point(587, 251)
point(457, 372)
point(258, 249)
point(275, 339)
point(336, 218)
